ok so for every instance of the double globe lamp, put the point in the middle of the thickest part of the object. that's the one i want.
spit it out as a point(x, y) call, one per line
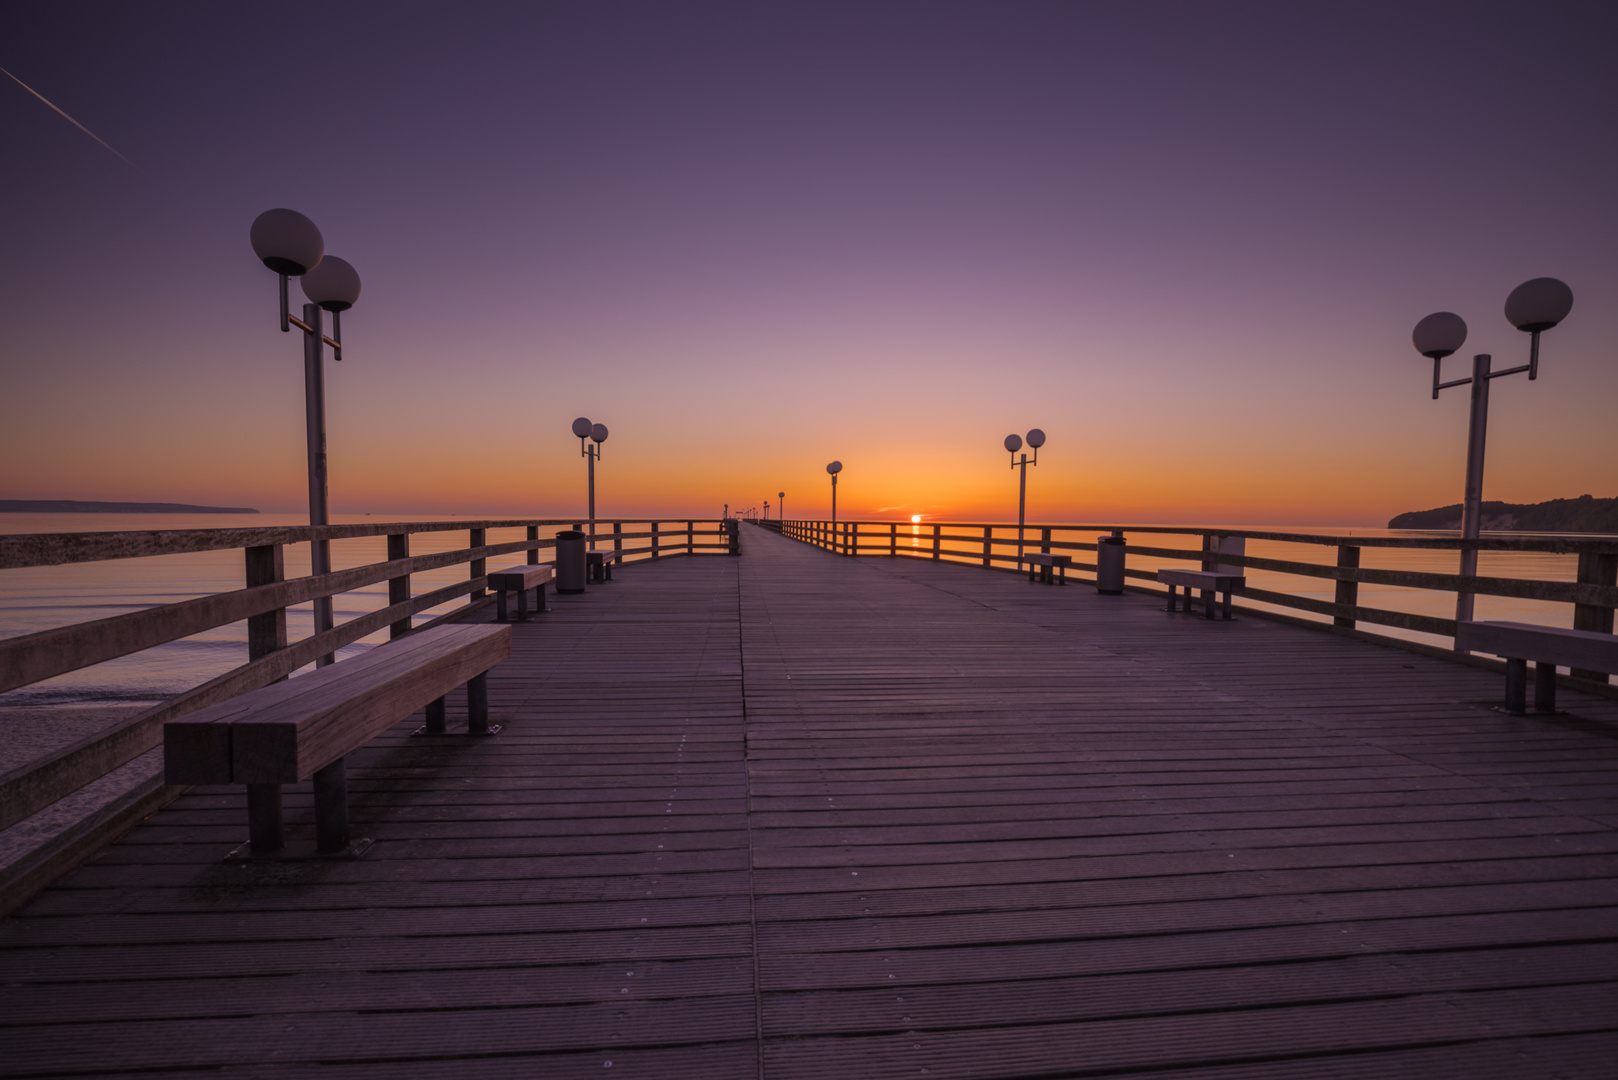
point(290, 244)
point(1533, 307)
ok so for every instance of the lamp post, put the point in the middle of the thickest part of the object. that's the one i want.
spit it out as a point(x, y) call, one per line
point(596, 433)
point(766, 509)
point(1013, 443)
point(780, 506)
point(1533, 307)
point(834, 468)
point(291, 245)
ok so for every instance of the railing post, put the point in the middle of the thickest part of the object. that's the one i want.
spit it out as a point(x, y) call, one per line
point(266, 633)
point(618, 538)
point(478, 567)
point(1045, 541)
point(853, 538)
point(654, 539)
point(938, 539)
point(690, 535)
point(893, 538)
point(533, 552)
point(1348, 592)
point(988, 540)
point(398, 587)
point(1594, 569)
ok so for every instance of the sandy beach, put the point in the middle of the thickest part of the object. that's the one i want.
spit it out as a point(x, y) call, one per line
point(28, 733)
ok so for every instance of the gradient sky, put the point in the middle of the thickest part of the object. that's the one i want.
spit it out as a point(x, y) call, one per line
point(1189, 240)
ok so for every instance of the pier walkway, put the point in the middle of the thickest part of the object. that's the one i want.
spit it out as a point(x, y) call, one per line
point(795, 815)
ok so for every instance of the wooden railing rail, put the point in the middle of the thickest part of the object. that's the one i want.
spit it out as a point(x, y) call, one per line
point(30, 658)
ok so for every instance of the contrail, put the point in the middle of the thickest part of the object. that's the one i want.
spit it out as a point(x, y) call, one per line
point(74, 122)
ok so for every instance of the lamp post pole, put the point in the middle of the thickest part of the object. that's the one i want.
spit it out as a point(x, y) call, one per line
point(1533, 307)
point(1013, 443)
point(596, 433)
point(780, 506)
point(290, 244)
point(314, 400)
point(834, 468)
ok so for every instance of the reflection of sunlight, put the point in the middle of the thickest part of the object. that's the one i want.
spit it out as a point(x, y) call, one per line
point(915, 530)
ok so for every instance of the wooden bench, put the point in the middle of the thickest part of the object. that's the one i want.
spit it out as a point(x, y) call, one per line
point(1546, 646)
point(1207, 582)
point(519, 579)
point(598, 562)
point(291, 730)
point(1045, 564)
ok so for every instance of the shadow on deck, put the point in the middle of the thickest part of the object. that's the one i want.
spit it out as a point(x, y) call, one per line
point(792, 815)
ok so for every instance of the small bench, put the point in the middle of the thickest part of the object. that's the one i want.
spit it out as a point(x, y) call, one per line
point(1045, 564)
point(598, 562)
point(519, 579)
point(1207, 582)
point(1546, 646)
point(291, 730)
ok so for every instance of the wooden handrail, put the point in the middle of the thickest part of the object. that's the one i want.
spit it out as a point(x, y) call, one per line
point(1594, 595)
point(31, 658)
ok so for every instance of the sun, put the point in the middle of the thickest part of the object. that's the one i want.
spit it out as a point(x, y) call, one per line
point(915, 519)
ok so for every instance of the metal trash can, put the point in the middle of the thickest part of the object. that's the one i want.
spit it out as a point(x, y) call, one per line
point(570, 569)
point(1110, 564)
point(733, 530)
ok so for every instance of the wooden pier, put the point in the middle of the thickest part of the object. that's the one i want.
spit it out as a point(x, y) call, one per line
point(796, 815)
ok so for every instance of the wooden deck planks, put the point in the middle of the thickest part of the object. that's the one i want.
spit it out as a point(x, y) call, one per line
point(899, 818)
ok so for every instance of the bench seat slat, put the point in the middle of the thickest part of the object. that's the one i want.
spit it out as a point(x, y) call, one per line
point(1202, 579)
point(522, 577)
point(1588, 649)
point(284, 732)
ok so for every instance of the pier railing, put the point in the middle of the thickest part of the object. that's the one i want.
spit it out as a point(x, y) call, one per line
point(1315, 577)
point(262, 604)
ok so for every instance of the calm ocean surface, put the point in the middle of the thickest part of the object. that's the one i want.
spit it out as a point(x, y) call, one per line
point(40, 599)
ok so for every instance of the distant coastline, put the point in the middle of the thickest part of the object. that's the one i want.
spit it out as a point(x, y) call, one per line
point(1584, 514)
point(71, 506)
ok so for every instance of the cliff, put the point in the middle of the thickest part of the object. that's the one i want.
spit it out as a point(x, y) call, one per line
point(70, 506)
point(1584, 514)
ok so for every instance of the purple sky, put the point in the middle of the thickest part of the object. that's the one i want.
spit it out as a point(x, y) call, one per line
point(1188, 240)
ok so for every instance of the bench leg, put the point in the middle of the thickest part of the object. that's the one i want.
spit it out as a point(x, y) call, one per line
point(607, 566)
point(331, 808)
point(1544, 686)
point(522, 604)
point(1227, 605)
point(1207, 604)
point(435, 717)
point(500, 606)
point(477, 705)
point(539, 600)
point(1516, 686)
point(265, 834)
point(1173, 606)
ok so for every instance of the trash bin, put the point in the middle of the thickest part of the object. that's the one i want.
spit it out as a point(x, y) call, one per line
point(1110, 565)
point(733, 530)
point(570, 570)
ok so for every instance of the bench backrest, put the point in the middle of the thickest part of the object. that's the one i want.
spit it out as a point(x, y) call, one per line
point(1227, 545)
